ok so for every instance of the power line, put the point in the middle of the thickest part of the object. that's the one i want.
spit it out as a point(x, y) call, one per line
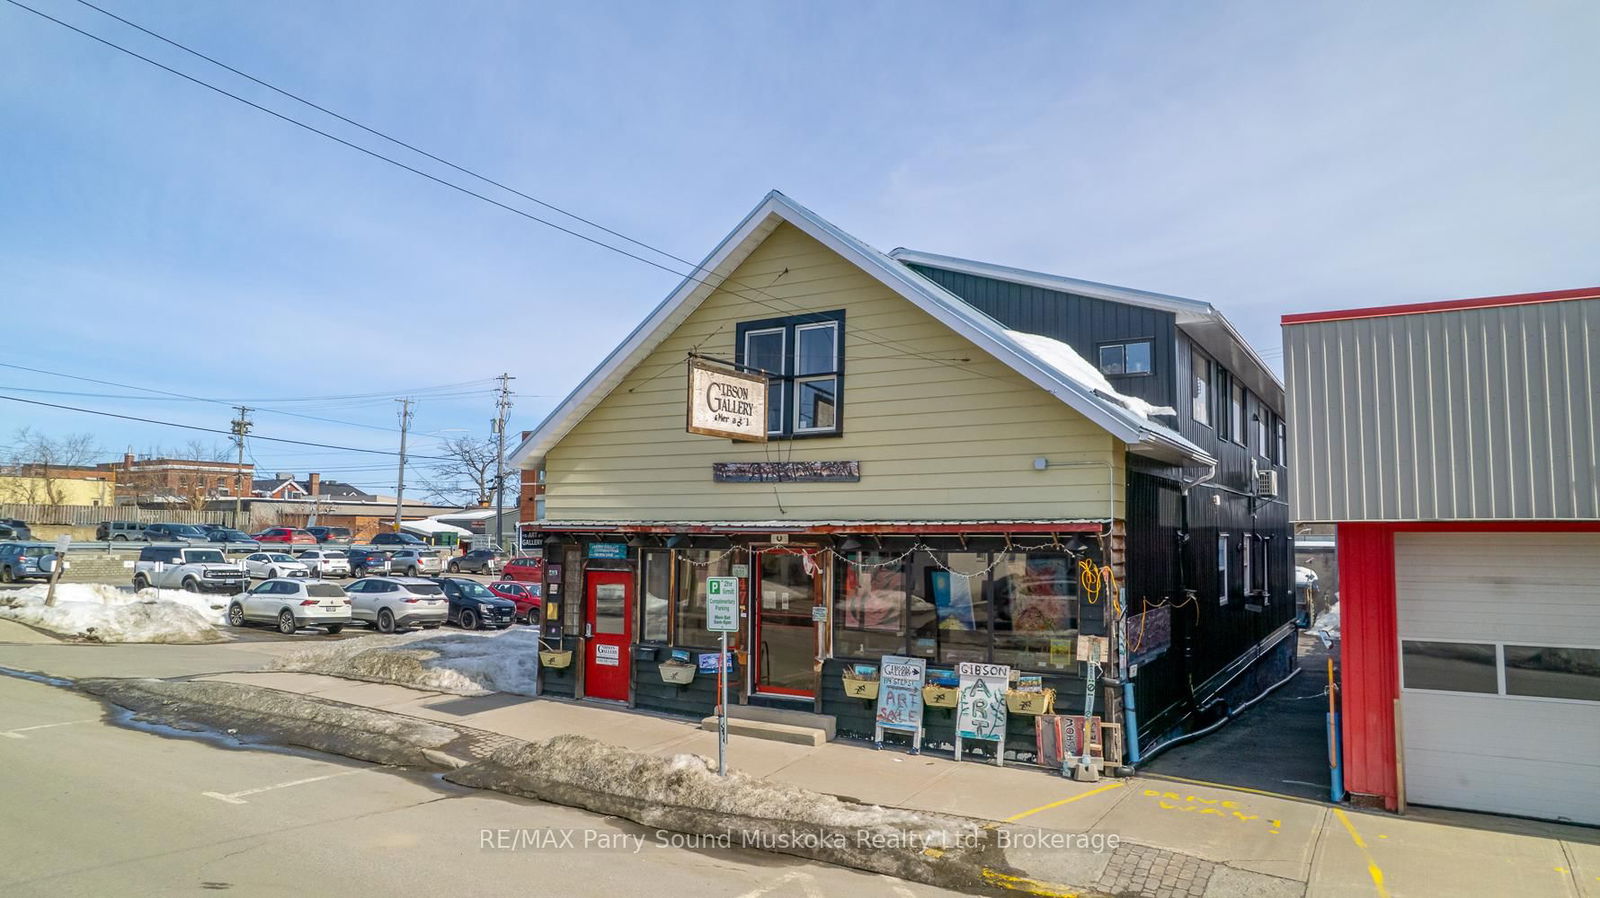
point(859, 334)
point(226, 433)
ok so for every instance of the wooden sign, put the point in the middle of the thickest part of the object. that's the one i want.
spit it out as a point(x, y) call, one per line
point(726, 403)
point(900, 697)
point(786, 471)
point(981, 705)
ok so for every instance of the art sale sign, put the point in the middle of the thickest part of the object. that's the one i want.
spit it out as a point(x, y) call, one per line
point(981, 705)
point(900, 693)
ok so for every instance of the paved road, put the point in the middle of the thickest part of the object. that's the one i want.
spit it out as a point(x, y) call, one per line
point(92, 808)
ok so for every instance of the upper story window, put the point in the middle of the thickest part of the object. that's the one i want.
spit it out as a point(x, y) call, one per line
point(803, 357)
point(1200, 387)
point(1132, 357)
point(1263, 422)
point(1236, 406)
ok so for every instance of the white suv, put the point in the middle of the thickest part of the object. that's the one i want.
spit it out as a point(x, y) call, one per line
point(273, 565)
point(325, 562)
point(292, 604)
point(398, 603)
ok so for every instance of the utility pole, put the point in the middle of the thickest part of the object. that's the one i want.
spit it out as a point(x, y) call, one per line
point(400, 485)
point(241, 426)
point(502, 405)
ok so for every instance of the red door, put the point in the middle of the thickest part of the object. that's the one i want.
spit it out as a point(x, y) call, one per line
point(607, 622)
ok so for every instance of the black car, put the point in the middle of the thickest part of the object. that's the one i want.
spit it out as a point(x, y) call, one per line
point(397, 539)
point(11, 528)
point(365, 561)
point(474, 607)
point(479, 561)
point(339, 536)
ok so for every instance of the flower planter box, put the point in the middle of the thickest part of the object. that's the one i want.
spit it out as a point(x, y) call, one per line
point(1031, 702)
point(940, 696)
point(555, 659)
point(677, 673)
point(858, 687)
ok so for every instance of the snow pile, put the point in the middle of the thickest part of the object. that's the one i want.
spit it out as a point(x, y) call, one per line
point(459, 663)
point(1327, 626)
point(99, 613)
point(1066, 360)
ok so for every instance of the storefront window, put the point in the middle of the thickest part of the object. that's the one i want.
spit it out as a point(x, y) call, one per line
point(870, 605)
point(657, 580)
point(694, 566)
point(1034, 597)
point(949, 607)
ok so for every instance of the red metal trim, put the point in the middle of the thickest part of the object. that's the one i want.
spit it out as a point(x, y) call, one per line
point(1040, 529)
point(1419, 308)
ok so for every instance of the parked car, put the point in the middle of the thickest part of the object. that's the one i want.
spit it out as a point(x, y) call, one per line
point(397, 539)
point(478, 561)
point(11, 528)
point(526, 596)
point(232, 538)
point(272, 565)
point(119, 531)
point(325, 562)
point(288, 536)
point(398, 603)
point(524, 569)
point(292, 604)
point(413, 562)
point(364, 561)
point(474, 607)
point(176, 533)
point(21, 561)
point(339, 536)
point(188, 567)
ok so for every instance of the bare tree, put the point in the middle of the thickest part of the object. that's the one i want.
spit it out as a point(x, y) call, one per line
point(38, 465)
point(466, 475)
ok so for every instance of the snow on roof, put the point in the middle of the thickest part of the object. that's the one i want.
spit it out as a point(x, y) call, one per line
point(429, 527)
point(1066, 360)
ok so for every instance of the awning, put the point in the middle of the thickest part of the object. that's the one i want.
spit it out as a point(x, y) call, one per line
point(1076, 525)
point(430, 527)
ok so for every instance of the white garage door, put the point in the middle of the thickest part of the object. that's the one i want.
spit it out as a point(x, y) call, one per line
point(1500, 671)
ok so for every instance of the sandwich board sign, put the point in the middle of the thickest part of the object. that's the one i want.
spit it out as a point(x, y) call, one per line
point(900, 682)
point(981, 705)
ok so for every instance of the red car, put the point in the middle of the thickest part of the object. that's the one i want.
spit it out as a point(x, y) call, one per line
point(526, 596)
point(524, 569)
point(285, 536)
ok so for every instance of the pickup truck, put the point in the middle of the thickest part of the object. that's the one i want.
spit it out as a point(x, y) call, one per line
point(190, 569)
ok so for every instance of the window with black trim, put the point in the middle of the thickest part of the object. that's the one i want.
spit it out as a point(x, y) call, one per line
point(803, 358)
point(1200, 391)
point(1130, 357)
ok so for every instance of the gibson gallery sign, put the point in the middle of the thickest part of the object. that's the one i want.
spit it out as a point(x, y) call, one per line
point(727, 403)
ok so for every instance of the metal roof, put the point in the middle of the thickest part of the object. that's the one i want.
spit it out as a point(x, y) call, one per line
point(1141, 435)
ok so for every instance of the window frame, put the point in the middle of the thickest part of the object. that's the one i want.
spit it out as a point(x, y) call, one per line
point(1099, 356)
point(1224, 591)
point(1202, 385)
point(784, 385)
point(1502, 689)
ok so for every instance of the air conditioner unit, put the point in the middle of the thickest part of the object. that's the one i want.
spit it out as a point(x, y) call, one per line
point(1267, 484)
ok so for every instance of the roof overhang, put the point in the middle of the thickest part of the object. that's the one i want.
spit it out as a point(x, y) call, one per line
point(1199, 320)
point(1141, 436)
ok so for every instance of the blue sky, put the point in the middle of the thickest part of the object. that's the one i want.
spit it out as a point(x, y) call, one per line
point(1269, 157)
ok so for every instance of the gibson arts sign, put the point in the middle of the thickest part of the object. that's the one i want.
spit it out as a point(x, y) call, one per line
point(786, 471)
point(726, 403)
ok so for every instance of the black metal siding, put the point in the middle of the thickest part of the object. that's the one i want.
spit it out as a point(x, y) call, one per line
point(1082, 322)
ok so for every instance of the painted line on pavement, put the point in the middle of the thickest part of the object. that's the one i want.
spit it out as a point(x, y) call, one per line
point(238, 797)
point(1373, 869)
point(1025, 885)
point(1056, 804)
point(17, 733)
point(1262, 792)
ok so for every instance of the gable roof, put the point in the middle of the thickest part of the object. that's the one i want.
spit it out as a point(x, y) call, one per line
point(1142, 435)
point(1199, 320)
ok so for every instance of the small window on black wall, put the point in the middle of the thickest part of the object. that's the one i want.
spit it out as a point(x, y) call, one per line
point(1126, 358)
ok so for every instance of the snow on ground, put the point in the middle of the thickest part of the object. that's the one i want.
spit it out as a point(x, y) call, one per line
point(101, 613)
point(462, 663)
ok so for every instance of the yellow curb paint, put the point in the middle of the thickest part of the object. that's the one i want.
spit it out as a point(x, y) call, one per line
point(1026, 886)
point(1373, 869)
point(1262, 792)
point(1056, 804)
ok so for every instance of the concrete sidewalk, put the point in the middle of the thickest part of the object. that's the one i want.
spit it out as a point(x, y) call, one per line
point(1178, 837)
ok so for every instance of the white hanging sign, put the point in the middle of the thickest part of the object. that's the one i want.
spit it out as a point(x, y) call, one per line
point(726, 403)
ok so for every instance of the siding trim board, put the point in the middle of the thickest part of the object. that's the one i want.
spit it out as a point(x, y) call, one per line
point(1452, 305)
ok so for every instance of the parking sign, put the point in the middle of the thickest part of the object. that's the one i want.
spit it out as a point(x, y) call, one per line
point(722, 604)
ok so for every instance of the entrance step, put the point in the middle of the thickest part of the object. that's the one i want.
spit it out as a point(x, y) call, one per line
point(777, 724)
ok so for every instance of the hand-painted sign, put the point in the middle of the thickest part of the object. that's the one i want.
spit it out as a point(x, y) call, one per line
point(900, 692)
point(726, 403)
point(981, 712)
point(786, 471)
